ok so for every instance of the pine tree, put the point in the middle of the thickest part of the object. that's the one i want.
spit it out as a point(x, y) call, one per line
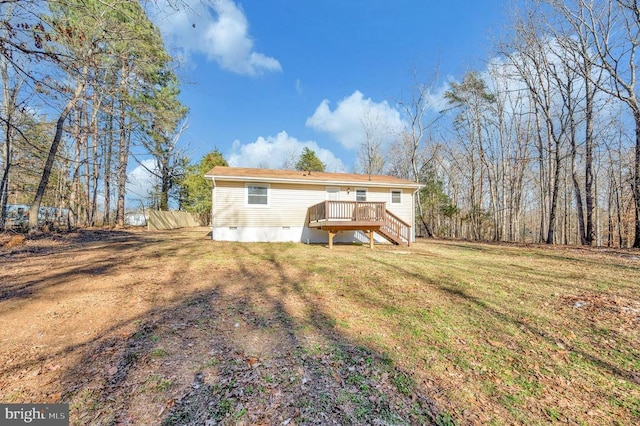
point(195, 188)
point(309, 161)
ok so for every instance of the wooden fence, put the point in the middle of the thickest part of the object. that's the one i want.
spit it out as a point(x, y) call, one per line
point(159, 220)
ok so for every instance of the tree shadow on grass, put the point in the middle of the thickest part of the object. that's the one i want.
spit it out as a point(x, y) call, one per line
point(251, 347)
point(311, 374)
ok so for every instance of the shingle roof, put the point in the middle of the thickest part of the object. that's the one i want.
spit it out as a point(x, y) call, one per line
point(271, 175)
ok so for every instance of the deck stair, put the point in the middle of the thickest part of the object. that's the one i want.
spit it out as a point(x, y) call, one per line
point(395, 230)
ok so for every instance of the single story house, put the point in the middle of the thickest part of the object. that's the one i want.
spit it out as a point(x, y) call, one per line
point(253, 205)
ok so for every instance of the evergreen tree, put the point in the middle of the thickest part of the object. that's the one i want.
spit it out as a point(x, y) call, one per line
point(196, 189)
point(309, 161)
point(163, 123)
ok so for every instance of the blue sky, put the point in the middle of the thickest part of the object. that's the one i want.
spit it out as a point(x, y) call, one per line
point(264, 78)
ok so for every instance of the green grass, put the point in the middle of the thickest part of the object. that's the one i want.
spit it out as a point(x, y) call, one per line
point(403, 382)
point(494, 326)
point(158, 353)
point(159, 383)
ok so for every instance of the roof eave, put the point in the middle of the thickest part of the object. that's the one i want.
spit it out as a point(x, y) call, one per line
point(313, 181)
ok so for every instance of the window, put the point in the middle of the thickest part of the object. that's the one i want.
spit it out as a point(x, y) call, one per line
point(257, 195)
point(361, 195)
point(396, 197)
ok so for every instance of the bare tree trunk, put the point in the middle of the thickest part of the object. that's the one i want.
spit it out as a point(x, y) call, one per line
point(123, 154)
point(579, 207)
point(165, 186)
point(108, 152)
point(610, 214)
point(554, 197)
point(10, 96)
point(542, 181)
point(574, 175)
point(85, 139)
point(53, 150)
point(123, 161)
point(94, 161)
point(6, 154)
point(588, 167)
point(636, 181)
point(4, 183)
point(75, 197)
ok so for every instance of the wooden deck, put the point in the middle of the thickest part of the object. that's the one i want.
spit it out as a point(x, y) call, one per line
point(366, 216)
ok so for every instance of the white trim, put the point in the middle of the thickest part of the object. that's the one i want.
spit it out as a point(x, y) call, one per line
point(213, 208)
point(391, 191)
point(246, 195)
point(413, 215)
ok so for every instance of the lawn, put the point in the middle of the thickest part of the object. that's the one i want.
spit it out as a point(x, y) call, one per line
point(172, 328)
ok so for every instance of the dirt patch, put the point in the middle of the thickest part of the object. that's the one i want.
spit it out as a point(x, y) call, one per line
point(130, 327)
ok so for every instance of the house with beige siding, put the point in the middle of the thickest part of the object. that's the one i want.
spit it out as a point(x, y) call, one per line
point(253, 205)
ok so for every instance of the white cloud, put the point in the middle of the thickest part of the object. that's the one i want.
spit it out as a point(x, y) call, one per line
point(347, 122)
point(277, 152)
point(140, 182)
point(436, 102)
point(222, 36)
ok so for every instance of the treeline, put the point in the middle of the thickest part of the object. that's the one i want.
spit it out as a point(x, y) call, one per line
point(83, 83)
point(543, 145)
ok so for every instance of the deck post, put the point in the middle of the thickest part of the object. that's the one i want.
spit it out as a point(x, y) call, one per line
point(371, 239)
point(331, 235)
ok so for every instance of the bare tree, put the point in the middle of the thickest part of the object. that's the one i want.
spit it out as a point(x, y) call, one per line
point(537, 67)
point(415, 110)
point(371, 158)
point(611, 28)
point(508, 148)
point(12, 83)
point(474, 104)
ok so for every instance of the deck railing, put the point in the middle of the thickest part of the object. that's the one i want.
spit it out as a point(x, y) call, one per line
point(354, 211)
point(397, 228)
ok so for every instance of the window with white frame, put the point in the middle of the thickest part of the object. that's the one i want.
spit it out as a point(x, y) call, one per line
point(257, 194)
point(361, 195)
point(396, 196)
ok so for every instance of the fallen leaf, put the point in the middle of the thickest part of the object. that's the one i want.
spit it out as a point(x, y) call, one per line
point(53, 398)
